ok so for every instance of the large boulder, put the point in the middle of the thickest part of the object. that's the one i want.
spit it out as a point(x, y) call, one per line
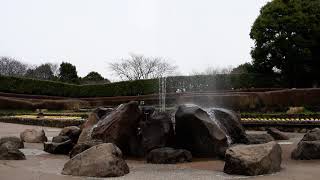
point(259, 138)
point(252, 160)
point(309, 147)
point(277, 134)
point(94, 117)
point(119, 126)
point(103, 160)
point(58, 148)
point(73, 132)
point(229, 122)
point(157, 131)
point(33, 136)
point(12, 141)
point(197, 133)
point(168, 156)
point(9, 152)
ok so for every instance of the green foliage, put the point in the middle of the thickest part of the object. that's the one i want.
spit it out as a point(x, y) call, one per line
point(43, 72)
point(94, 78)
point(287, 39)
point(200, 83)
point(68, 73)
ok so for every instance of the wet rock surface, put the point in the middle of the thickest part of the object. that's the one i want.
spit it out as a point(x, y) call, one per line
point(230, 123)
point(104, 160)
point(197, 133)
point(277, 134)
point(168, 156)
point(309, 147)
point(252, 160)
point(33, 136)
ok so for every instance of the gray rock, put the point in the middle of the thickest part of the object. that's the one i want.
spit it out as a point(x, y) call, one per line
point(230, 123)
point(60, 139)
point(103, 160)
point(277, 134)
point(58, 148)
point(259, 138)
point(12, 141)
point(33, 136)
point(9, 152)
point(309, 147)
point(98, 114)
point(73, 132)
point(197, 133)
point(119, 126)
point(307, 150)
point(312, 135)
point(79, 148)
point(168, 156)
point(252, 160)
point(157, 131)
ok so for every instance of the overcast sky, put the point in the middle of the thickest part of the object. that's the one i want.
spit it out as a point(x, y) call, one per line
point(192, 34)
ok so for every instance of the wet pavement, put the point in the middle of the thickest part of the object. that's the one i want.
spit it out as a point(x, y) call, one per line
point(40, 165)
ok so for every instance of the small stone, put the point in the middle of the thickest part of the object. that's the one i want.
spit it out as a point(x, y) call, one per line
point(58, 148)
point(13, 141)
point(168, 156)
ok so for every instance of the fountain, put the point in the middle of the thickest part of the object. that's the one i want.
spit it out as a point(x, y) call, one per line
point(162, 94)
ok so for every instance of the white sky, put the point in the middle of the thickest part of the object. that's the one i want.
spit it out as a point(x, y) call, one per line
point(192, 34)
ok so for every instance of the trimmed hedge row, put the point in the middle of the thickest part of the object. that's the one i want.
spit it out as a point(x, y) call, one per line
point(199, 83)
point(52, 88)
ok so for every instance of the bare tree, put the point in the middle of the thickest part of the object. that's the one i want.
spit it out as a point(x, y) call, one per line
point(214, 70)
point(141, 67)
point(12, 67)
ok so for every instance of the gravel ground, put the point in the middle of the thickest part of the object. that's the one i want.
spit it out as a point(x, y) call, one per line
point(43, 166)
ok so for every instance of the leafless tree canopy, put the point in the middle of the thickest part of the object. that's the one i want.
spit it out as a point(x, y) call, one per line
point(214, 70)
point(12, 67)
point(141, 67)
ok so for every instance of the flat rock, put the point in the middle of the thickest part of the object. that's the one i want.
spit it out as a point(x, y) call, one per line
point(33, 136)
point(277, 134)
point(259, 138)
point(168, 156)
point(252, 160)
point(103, 160)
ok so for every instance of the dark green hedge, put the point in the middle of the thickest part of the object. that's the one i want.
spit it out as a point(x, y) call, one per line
point(52, 88)
point(140, 87)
